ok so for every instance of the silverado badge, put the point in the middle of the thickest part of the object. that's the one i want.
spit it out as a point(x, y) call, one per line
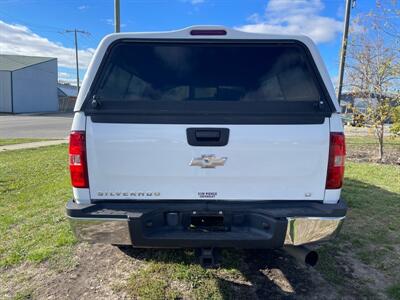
point(208, 161)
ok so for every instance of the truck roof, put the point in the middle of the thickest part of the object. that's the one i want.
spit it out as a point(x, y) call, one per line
point(203, 32)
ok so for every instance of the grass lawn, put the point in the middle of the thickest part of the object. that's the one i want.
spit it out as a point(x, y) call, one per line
point(371, 231)
point(34, 187)
point(4, 142)
point(371, 140)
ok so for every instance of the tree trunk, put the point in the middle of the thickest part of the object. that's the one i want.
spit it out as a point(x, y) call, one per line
point(380, 132)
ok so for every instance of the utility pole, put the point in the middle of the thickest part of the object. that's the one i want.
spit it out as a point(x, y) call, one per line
point(117, 19)
point(76, 31)
point(349, 4)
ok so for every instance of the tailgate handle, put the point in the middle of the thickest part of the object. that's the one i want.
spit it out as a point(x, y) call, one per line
point(207, 136)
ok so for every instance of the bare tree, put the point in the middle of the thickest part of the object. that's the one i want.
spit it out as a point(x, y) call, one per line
point(386, 18)
point(373, 74)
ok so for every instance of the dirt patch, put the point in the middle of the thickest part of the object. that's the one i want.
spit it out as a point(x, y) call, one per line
point(362, 146)
point(369, 153)
point(98, 273)
point(375, 280)
point(356, 279)
point(102, 272)
point(274, 274)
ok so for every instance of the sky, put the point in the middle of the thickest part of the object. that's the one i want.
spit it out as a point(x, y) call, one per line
point(37, 27)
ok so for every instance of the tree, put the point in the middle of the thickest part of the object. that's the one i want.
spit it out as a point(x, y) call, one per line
point(372, 73)
point(386, 17)
point(395, 129)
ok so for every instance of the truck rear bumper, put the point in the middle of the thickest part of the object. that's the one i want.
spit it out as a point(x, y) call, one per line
point(180, 224)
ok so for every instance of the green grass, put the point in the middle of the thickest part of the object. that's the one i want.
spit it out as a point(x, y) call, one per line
point(34, 187)
point(371, 140)
point(394, 291)
point(176, 274)
point(4, 142)
point(370, 233)
point(23, 295)
point(373, 193)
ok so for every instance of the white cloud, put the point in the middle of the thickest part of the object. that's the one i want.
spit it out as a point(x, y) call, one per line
point(83, 7)
point(194, 2)
point(254, 18)
point(295, 17)
point(20, 40)
point(63, 75)
point(111, 23)
point(70, 78)
point(71, 81)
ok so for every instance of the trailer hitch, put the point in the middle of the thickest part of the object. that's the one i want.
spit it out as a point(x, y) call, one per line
point(208, 257)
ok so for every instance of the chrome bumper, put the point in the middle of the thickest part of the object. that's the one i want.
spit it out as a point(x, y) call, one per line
point(101, 230)
point(306, 230)
point(302, 230)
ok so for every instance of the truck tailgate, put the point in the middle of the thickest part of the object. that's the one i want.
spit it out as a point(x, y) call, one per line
point(151, 161)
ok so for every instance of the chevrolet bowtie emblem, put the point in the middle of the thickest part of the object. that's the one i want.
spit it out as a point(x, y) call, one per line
point(208, 161)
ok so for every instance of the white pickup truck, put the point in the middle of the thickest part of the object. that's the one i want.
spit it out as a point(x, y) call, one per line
point(206, 137)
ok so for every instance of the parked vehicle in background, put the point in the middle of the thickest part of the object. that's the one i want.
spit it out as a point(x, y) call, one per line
point(354, 119)
point(353, 111)
point(207, 137)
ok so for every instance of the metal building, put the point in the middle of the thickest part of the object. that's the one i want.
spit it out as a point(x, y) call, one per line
point(67, 95)
point(28, 84)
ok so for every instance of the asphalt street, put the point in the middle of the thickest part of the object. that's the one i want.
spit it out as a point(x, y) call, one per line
point(57, 126)
point(47, 126)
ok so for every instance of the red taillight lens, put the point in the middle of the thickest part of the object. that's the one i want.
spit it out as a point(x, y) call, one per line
point(337, 155)
point(77, 159)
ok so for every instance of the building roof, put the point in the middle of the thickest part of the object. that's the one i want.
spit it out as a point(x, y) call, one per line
point(67, 90)
point(16, 62)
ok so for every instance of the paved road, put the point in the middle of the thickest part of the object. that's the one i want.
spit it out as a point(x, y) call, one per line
point(49, 126)
point(57, 126)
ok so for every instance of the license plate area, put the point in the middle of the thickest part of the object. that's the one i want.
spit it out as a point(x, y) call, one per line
point(205, 223)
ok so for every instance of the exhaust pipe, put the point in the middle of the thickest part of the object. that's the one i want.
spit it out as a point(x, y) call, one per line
point(303, 255)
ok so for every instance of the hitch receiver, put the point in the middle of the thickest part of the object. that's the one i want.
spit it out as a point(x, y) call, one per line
point(208, 257)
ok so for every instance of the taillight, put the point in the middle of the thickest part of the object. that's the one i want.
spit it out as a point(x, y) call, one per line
point(337, 155)
point(77, 159)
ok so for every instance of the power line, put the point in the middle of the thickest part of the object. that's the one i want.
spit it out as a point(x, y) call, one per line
point(76, 31)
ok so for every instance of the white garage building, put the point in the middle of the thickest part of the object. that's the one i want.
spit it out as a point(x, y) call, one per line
point(28, 84)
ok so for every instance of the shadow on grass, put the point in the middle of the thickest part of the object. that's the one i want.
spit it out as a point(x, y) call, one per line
point(262, 274)
point(241, 274)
